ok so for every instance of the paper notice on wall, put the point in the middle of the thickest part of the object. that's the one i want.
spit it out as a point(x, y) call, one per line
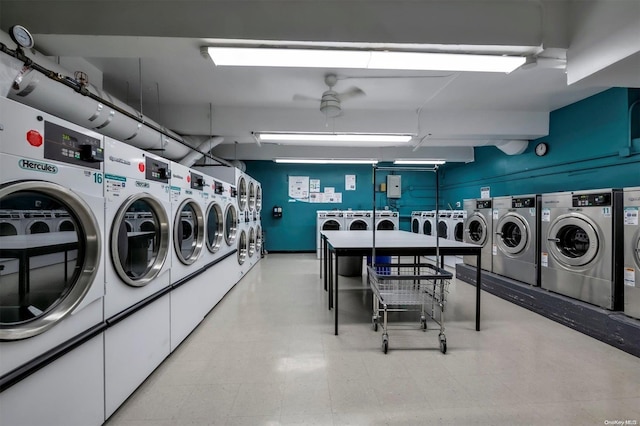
point(485, 192)
point(350, 182)
point(546, 215)
point(314, 185)
point(630, 277)
point(544, 259)
point(631, 216)
point(299, 187)
point(335, 197)
point(316, 197)
point(329, 190)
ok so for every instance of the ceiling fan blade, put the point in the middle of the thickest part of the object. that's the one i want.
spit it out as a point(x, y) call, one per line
point(299, 97)
point(351, 92)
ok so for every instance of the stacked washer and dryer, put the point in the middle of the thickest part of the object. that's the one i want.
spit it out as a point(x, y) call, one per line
point(52, 286)
point(478, 230)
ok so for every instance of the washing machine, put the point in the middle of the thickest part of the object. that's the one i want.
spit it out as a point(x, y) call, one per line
point(214, 221)
point(358, 220)
point(429, 222)
point(52, 291)
point(445, 224)
point(416, 222)
point(478, 230)
point(327, 220)
point(137, 274)
point(457, 224)
point(581, 242)
point(387, 220)
point(516, 235)
point(62, 221)
point(37, 221)
point(631, 272)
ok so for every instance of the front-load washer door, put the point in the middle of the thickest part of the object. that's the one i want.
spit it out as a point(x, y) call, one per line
point(458, 231)
point(252, 196)
point(242, 194)
point(476, 230)
point(242, 247)
point(188, 231)
point(230, 224)
point(258, 198)
point(138, 255)
point(215, 227)
point(385, 225)
point(427, 227)
point(573, 241)
point(415, 225)
point(331, 225)
point(358, 225)
point(443, 229)
point(259, 239)
point(512, 234)
point(44, 277)
point(252, 242)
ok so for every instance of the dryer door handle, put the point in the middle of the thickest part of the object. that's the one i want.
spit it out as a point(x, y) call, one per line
point(555, 240)
point(499, 233)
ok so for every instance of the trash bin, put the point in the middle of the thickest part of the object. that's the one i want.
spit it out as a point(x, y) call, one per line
point(381, 260)
point(350, 266)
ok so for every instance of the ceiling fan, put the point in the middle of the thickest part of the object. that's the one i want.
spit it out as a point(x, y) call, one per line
point(331, 101)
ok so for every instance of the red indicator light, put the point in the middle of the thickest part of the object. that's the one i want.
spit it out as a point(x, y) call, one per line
point(188, 178)
point(34, 138)
point(141, 167)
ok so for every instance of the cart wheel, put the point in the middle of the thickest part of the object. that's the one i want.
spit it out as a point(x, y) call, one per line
point(374, 320)
point(423, 324)
point(385, 343)
point(443, 344)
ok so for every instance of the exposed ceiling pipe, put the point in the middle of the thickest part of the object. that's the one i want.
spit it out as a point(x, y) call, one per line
point(512, 147)
point(45, 85)
point(202, 146)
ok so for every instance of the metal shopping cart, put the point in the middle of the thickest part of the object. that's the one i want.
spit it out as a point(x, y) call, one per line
point(409, 287)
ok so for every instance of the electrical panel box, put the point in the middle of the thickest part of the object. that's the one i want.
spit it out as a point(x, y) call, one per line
point(394, 186)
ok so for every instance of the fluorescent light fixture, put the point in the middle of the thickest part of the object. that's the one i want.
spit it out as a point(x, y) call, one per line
point(324, 161)
point(431, 162)
point(361, 59)
point(365, 138)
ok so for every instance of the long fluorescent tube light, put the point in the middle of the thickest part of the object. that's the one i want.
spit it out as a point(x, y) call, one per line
point(430, 162)
point(323, 161)
point(333, 137)
point(362, 59)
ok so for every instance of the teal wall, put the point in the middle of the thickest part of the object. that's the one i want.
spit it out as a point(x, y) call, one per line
point(296, 230)
point(585, 140)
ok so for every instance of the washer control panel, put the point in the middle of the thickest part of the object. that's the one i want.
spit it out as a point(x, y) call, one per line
point(591, 200)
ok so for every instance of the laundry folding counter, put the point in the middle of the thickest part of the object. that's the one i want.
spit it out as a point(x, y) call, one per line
point(337, 244)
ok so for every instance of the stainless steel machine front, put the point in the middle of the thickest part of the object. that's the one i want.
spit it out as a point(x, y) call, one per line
point(581, 240)
point(478, 230)
point(515, 241)
point(631, 272)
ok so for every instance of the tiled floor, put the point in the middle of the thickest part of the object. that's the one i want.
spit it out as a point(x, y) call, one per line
point(266, 355)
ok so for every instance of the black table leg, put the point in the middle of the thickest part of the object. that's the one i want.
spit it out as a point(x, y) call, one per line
point(336, 295)
point(478, 288)
point(330, 278)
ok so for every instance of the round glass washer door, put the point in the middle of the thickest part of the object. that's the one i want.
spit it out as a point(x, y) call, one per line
point(331, 225)
point(252, 242)
point(415, 226)
point(242, 193)
point(242, 247)
point(215, 227)
point(138, 255)
point(252, 196)
point(573, 240)
point(258, 239)
point(385, 225)
point(230, 224)
point(358, 225)
point(427, 227)
point(512, 235)
point(61, 267)
point(476, 230)
point(258, 198)
point(458, 231)
point(188, 231)
point(636, 254)
point(443, 229)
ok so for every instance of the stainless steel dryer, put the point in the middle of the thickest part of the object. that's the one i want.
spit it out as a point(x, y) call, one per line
point(478, 230)
point(580, 242)
point(631, 277)
point(515, 241)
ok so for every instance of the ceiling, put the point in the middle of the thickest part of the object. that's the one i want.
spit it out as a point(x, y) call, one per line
point(147, 54)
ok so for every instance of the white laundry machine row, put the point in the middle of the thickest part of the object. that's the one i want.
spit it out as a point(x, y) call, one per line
point(478, 230)
point(581, 244)
point(138, 266)
point(516, 225)
point(51, 284)
point(631, 272)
